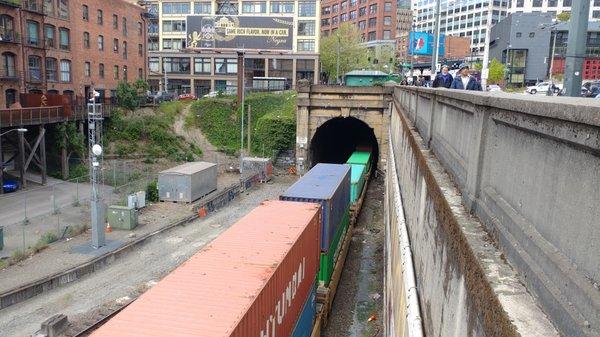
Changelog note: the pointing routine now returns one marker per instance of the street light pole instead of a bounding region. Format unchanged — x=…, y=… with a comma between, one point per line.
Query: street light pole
x=578, y=26
x=552, y=55
x=485, y=70
x=436, y=39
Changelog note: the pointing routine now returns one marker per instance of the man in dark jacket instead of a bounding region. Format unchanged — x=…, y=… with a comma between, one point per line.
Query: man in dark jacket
x=443, y=79
x=464, y=81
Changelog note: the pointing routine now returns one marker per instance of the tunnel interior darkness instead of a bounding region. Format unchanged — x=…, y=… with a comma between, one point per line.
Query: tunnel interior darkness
x=335, y=141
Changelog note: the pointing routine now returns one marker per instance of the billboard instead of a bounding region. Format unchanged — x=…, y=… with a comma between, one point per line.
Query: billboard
x=237, y=32
x=421, y=43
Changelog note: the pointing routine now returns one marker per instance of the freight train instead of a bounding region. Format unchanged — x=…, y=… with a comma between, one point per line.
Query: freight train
x=273, y=273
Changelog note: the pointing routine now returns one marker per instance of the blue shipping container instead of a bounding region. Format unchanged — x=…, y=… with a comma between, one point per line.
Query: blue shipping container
x=305, y=322
x=329, y=185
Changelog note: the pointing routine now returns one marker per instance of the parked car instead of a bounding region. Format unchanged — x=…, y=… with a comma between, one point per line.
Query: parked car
x=10, y=185
x=494, y=87
x=159, y=97
x=186, y=97
x=543, y=87
x=211, y=94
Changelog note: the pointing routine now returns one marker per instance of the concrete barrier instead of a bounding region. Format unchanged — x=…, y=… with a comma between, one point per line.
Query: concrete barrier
x=529, y=168
x=465, y=286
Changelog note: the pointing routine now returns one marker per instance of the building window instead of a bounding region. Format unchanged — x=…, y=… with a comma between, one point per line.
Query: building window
x=326, y=10
x=86, y=40
x=179, y=65
x=362, y=25
x=306, y=28
x=352, y=15
x=567, y=3
x=65, y=71
x=324, y=23
x=307, y=9
x=343, y=17
x=140, y=50
x=125, y=77
x=153, y=45
x=87, y=69
x=140, y=73
x=49, y=7
x=176, y=8
x=519, y=34
x=387, y=20
x=202, y=8
x=335, y=8
x=596, y=3
x=173, y=44
x=225, y=66
x=116, y=72
x=11, y=97
x=63, y=9
x=177, y=26
x=116, y=45
x=201, y=65
x=140, y=28
x=8, y=64
x=86, y=13
x=306, y=45
x=362, y=11
x=154, y=64
x=125, y=50
x=334, y=20
x=372, y=36
x=101, y=70
x=65, y=43
x=344, y=6
x=537, y=3
x=373, y=9
x=100, y=17
x=532, y=34
x=552, y=3
x=372, y=22
x=100, y=42
x=124, y=26
x=254, y=7
x=282, y=7
x=115, y=21
x=33, y=37
x=387, y=7
x=387, y=34
x=49, y=32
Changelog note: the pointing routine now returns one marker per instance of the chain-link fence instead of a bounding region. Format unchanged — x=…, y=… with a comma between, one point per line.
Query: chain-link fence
x=32, y=218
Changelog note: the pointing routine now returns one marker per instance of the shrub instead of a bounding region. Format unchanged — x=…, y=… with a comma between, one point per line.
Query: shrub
x=152, y=191
x=78, y=171
x=127, y=96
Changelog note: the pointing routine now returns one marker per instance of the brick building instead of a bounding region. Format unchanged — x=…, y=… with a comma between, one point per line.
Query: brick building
x=375, y=18
x=68, y=46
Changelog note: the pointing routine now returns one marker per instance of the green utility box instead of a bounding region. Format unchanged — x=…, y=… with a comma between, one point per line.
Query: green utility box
x=1, y=237
x=122, y=217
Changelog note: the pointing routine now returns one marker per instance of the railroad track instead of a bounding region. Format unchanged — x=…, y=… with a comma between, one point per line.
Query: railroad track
x=87, y=331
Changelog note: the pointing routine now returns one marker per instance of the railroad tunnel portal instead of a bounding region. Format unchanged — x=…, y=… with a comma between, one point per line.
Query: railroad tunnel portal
x=334, y=121
x=335, y=140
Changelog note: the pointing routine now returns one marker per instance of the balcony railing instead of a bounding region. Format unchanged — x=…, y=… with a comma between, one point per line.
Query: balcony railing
x=9, y=36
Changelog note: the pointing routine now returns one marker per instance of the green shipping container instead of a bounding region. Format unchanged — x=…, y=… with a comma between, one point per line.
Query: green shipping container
x=361, y=158
x=122, y=217
x=328, y=259
x=357, y=181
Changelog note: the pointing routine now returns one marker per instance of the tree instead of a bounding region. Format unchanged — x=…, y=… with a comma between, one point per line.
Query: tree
x=564, y=16
x=478, y=66
x=127, y=96
x=382, y=58
x=141, y=86
x=496, y=72
x=353, y=54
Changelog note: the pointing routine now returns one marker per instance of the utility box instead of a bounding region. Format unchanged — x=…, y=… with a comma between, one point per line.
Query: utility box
x=140, y=199
x=132, y=201
x=122, y=217
x=187, y=182
x=264, y=166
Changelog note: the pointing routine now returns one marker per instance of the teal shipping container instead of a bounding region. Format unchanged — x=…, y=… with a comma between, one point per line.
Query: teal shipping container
x=357, y=181
x=361, y=158
x=305, y=323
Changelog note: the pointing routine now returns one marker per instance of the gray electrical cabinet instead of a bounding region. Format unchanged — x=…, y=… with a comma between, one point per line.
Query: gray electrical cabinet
x=122, y=217
x=187, y=182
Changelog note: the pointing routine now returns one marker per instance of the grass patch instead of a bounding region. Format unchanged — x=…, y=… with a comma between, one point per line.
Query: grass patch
x=17, y=256
x=273, y=122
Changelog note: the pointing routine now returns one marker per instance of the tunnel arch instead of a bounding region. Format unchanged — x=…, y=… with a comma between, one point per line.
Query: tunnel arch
x=336, y=139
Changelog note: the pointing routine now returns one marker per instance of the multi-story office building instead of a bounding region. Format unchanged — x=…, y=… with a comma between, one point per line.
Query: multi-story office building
x=69, y=46
x=460, y=18
x=376, y=19
x=552, y=7
x=213, y=66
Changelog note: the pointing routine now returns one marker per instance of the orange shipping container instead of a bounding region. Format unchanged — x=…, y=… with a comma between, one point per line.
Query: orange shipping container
x=251, y=281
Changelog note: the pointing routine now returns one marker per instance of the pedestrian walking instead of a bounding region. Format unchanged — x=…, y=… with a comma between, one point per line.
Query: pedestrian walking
x=464, y=80
x=443, y=79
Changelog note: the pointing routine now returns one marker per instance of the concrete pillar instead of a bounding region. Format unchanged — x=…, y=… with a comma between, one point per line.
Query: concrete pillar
x=302, y=129
x=317, y=76
x=478, y=143
x=266, y=67
x=294, y=67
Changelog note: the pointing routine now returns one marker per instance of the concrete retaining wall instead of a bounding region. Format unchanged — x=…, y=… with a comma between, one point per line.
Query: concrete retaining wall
x=529, y=168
